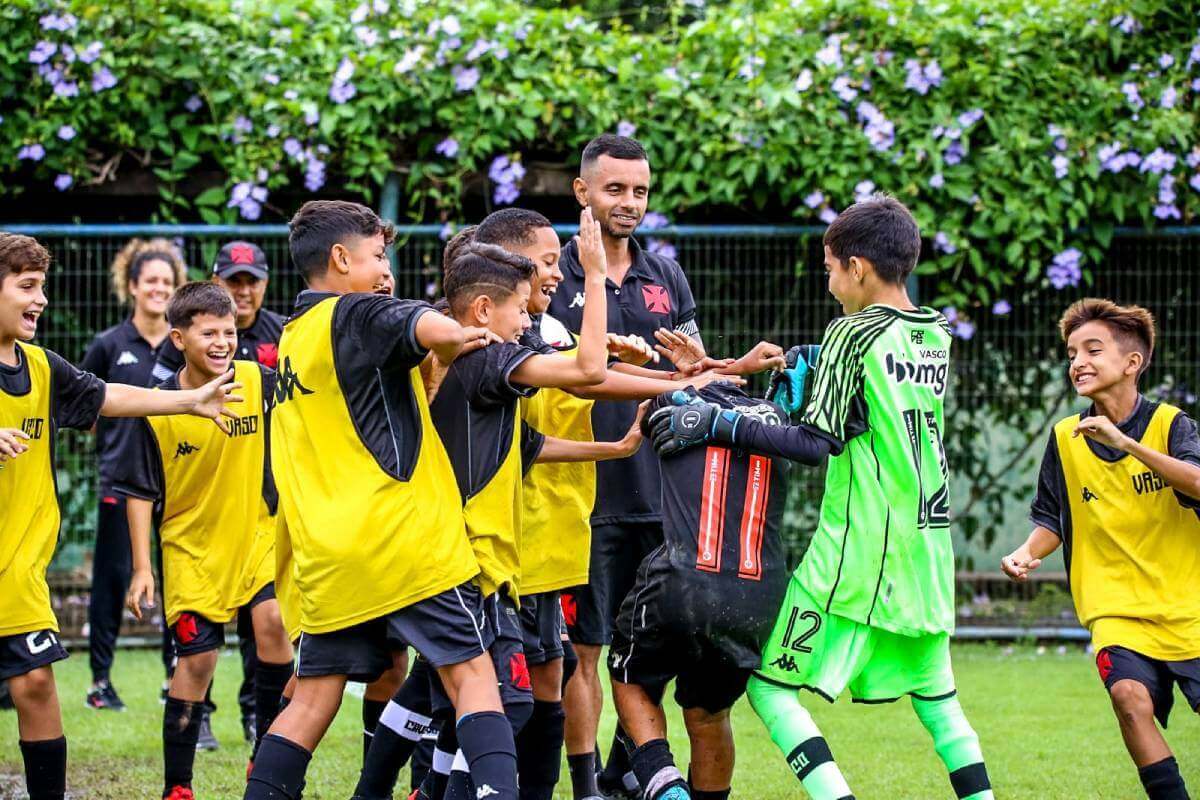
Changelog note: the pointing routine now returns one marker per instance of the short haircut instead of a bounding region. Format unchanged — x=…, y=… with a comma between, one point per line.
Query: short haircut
x=320, y=224
x=881, y=230
x=20, y=253
x=510, y=227
x=454, y=248
x=137, y=253
x=487, y=270
x=1131, y=326
x=196, y=298
x=613, y=146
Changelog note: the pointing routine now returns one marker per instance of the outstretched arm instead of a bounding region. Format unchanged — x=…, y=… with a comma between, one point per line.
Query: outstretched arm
x=621, y=386
x=1182, y=476
x=556, y=450
x=121, y=400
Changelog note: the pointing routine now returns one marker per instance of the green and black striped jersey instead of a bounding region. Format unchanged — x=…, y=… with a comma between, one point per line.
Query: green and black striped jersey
x=881, y=554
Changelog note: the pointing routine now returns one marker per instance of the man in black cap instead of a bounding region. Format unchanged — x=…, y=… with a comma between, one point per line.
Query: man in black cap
x=241, y=268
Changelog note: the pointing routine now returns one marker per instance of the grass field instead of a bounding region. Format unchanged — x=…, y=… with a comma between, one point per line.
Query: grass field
x=1044, y=720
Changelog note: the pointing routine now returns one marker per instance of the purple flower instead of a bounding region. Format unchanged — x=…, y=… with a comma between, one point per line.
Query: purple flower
x=815, y=199
x=292, y=147
x=626, y=128
x=68, y=53
x=1002, y=308
x=1130, y=90
x=1166, y=60
x=380, y=6
x=480, y=48
x=448, y=147
x=66, y=89
x=273, y=131
x=42, y=52
x=842, y=88
x=243, y=124
x=271, y=78
x=31, y=152
x=653, y=220
x=662, y=248
x=921, y=78
x=52, y=22
x=942, y=243
x=506, y=194
x=341, y=92
x=359, y=13
x=66, y=133
x=367, y=35
x=465, y=78
x=1158, y=162
x=499, y=172
x=964, y=330
x=1166, y=189
x=1194, y=55
x=63, y=182
x=954, y=153
x=314, y=173
x=193, y=103
x=521, y=32
x=312, y=116
x=103, y=79
x=1060, y=164
x=950, y=313
x=1168, y=98
x=1126, y=22
x=879, y=129
x=1064, y=269
x=91, y=52
x=937, y=181
x=1166, y=211
x=409, y=60
x=446, y=232
x=827, y=215
x=969, y=118
x=804, y=80
x=1194, y=182
x=863, y=190
x=751, y=68
x=831, y=54
x=449, y=25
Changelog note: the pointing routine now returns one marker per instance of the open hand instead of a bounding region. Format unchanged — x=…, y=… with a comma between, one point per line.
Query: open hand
x=632, y=441
x=590, y=245
x=631, y=349
x=213, y=398
x=683, y=351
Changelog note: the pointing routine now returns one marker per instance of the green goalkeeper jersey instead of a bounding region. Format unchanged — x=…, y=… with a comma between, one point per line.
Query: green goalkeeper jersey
x=881, y=554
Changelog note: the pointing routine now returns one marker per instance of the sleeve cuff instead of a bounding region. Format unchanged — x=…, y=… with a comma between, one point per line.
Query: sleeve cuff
x=135, y=492
x=1043, y=521
x=519, y=389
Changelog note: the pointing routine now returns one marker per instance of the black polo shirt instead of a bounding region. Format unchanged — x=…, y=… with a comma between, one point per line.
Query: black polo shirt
x=654, y=294
x=259, y=342
x=119, y=355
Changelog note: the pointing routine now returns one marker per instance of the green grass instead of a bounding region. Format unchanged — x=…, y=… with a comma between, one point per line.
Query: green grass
x=1044, y=720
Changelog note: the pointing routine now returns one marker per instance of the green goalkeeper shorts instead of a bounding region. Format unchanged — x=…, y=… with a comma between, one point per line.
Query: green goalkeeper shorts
x=812, y=649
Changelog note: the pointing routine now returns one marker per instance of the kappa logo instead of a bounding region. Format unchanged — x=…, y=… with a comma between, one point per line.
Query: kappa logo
x=657, y=299
x=126, y=358
x=185, y=449
x=485, y=791
x=289, y=383
x=786, y=663
x=577, y=301
x=1088, y=495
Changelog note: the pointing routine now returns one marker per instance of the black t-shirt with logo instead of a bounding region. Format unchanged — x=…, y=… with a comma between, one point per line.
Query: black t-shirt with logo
x=654, y=294
x=119, y=355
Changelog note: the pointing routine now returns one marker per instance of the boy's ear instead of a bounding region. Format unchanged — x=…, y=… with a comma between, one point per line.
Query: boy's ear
x=1134, y=364
x=339, y=259
x=177, y=339
x=482, y=307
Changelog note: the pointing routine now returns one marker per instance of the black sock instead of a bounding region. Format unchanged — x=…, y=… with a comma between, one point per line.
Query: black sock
x=617, y=769
x=279, y=769
x=269, y=682
x=583, y=775
x=701, y=794
x=1162, y=780
x=434, y=785
x=181, y=730
x=656, y=771
x=397, y=733
x=539, y=751
x=570, y=664
x=371, y=711
x=458, y=783
x=422, y=758
x=45, y=768
x=486, y=740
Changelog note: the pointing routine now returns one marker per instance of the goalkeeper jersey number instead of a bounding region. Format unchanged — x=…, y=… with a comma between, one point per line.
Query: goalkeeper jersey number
x=881, y=554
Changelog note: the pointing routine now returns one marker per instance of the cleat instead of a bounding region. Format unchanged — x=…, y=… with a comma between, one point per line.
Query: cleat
x=207, y=741
x=103, y=696
x=180, y=793
x=249, y=729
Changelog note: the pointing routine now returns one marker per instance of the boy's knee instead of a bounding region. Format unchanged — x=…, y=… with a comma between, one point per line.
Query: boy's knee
x=1131, y=701
x=33, y=688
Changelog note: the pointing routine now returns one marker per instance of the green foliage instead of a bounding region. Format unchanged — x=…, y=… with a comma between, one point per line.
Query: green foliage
x=720, y=97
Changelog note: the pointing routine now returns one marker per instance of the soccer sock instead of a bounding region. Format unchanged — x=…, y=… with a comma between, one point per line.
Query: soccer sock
x=617, y=767
x=539, y=751
x=957, y=745
x=1161, y=780
x=279, y=769
x=371, y=711
x=181, y=730
x=46, y=768
x=655, y=769
x=396, y=735
x=422, y=758
x=434, y=785
x=583, y=775
x=269, y=682
x=701, y=794
x=792, y=729
x=486, y=740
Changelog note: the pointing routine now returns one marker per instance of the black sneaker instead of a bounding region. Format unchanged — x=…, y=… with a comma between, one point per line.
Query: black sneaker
x=207, y=741
x=249, y=729
x=103, y=696
x=624, y=788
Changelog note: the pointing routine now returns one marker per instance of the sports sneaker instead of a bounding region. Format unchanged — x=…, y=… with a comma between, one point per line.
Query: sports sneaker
x=249, y=731
x=103, y=696
x=625, y=788
x=180, y=793
x=206, y=741
x=162, y=695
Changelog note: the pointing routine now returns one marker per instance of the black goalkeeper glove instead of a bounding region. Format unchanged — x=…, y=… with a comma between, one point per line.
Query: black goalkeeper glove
x=676, y=428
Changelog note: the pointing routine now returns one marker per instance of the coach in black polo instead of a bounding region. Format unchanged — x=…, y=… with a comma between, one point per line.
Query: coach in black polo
x=646, y=291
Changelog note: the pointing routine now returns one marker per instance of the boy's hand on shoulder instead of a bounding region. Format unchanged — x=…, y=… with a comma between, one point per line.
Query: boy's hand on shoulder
x=1101, y=429
x=11, y=444
x=476, y=338
x=591, y=246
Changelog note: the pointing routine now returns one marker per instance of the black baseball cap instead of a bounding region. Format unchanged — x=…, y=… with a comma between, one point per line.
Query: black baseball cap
x=238, y=257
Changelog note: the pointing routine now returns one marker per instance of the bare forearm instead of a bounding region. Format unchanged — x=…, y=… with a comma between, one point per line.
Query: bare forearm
x=121, y=400
x=439, y=334
x=592, y=357
x=561, y=451
x=640, y=372
x=139, y=513
x=1041, y=543
x=620, y=386
x=1182, y=476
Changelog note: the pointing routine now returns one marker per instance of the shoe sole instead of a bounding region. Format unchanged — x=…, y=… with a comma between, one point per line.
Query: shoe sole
x=104, y=708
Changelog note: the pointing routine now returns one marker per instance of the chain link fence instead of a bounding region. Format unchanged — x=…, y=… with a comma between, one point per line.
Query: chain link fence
x=751, y=283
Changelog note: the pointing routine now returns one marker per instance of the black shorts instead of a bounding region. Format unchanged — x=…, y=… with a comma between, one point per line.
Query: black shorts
x=617, y=550
x=702, y=630
x=508, y=657
x=193, y=633
x=22, y=653
x=448, y=628
x=1159, y=677
x=542, y=627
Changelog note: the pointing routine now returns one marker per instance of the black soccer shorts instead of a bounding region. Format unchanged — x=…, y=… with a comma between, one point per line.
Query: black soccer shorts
x=508, y=657
x=22, y=653
x=616, y=552
x=541, y=627
x=193, y=633
x=1159, y=677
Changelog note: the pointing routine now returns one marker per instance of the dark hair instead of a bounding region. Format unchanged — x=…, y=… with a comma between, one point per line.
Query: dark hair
x=510, y=227
x=484, y=269
x=881, y=230
x=320, y=224
x=20, y=253
x=609, y=144
x=198, y=297
x=1131, y=326
x=127, y=266
x=454, y=248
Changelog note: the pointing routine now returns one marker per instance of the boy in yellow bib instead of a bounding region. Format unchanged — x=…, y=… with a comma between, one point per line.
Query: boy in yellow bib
x=40, y=392
x=217, y=528
x=1120, y=491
